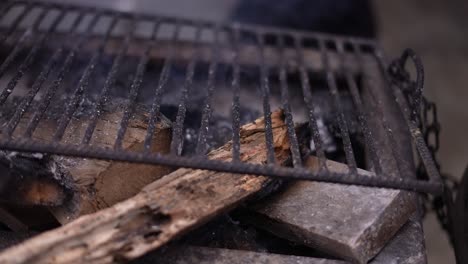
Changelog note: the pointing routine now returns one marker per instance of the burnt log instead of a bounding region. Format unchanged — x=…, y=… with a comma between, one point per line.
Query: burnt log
x=164, y=210
x=72, y=187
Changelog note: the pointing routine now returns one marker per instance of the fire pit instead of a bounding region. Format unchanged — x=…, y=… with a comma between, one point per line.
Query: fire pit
x=88, y=91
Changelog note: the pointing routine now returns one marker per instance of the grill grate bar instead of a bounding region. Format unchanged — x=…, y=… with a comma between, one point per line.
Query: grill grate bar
x=344, y=131
x=388, y=131
x=134, y=89
x=82, y=85
x=16, y=22
x=163, y=79
x=265, y=89
x=295, y=153
x=415, y=132
x=109, y=83
x=38, y=82
x=51, y=90
x=207, y=110
x=220, y=166
x=28, y=61
x=360, y=109
x=21, y=43
x=177, y=132
x=235, y=85
x=400, y=163
x=306, y=91
x=6, y=8
x=269, y=70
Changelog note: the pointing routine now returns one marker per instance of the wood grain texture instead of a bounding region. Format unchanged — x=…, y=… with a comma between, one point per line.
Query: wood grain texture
x=164, y=210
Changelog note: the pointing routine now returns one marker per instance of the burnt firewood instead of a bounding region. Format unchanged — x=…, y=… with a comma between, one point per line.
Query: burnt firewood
x=72, y=187
x=32, y=179
x=164, y=210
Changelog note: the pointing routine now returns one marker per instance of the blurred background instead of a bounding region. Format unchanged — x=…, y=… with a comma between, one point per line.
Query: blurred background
x=435, y=29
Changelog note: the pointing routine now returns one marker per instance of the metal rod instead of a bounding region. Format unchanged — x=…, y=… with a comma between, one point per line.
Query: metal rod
x=108, y=84
x=416, y=134
x=178, y=129
x=296, y=155
x=332, y=86
x=235, y=85
x=38, y=82
x=5, y=8
x=21, y=42
x=202, y=163
x=83, y=84
x=400, y=163
x=265, y=90
x=29, y=60
x=15, y=23
x=13, y=54
x=362, y=117
x=134, y=89
x=207, y=110
x=51, y=90
x=306, y=91
x=163, y=79
x=206, y=23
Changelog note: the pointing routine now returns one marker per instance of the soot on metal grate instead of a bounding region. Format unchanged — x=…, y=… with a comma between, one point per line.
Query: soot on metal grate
x=62, y=62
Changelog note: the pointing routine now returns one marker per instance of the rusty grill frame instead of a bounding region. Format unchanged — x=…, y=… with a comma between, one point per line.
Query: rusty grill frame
x=363, y=51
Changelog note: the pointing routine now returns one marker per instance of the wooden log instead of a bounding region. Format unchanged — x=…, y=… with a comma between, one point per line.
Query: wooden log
x=349, y=222
x=164, y=210
x=74, y=186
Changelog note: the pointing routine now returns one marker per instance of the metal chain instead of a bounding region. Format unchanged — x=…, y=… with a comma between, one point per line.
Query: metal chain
x=424, y=113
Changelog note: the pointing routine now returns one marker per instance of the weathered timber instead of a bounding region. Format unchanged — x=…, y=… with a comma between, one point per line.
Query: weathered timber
x=349, y=222
x=164, y=210
x=74, y=186
x=205, y=255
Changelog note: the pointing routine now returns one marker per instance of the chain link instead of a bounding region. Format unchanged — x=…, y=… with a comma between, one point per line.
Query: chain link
x=424, y=113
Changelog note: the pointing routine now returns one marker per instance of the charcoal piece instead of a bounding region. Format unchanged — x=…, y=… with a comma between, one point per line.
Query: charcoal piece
x=349, y=222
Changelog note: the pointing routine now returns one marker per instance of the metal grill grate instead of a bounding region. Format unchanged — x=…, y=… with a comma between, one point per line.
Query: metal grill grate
x=57, y=54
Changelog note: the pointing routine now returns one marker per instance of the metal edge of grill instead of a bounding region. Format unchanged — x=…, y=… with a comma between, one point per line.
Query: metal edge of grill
x=366, y=51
